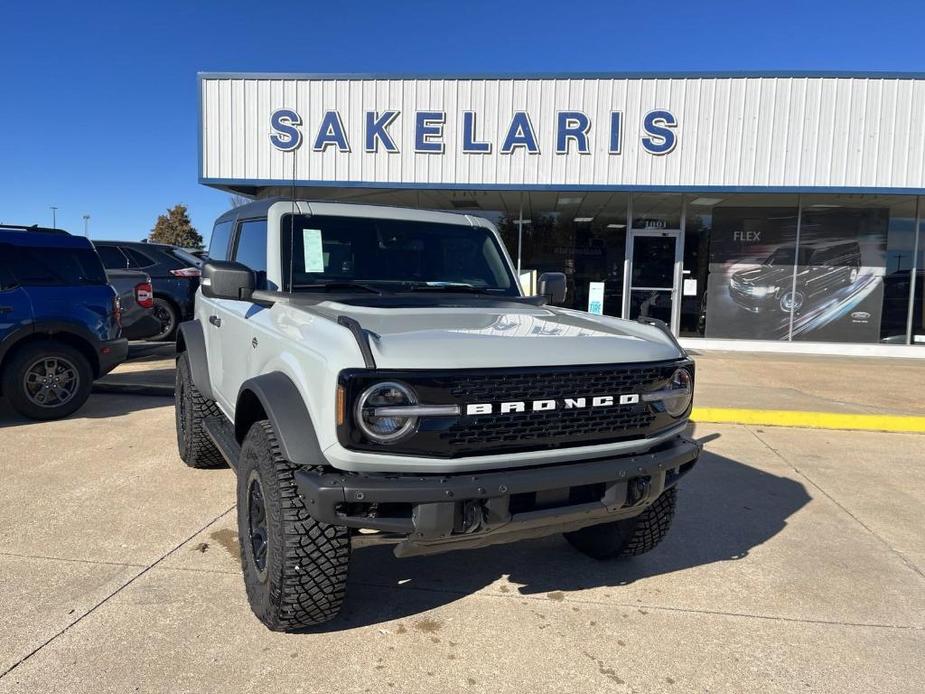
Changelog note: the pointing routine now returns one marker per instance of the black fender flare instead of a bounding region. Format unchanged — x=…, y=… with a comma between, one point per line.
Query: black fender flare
x=281, y=401
x=191, y=339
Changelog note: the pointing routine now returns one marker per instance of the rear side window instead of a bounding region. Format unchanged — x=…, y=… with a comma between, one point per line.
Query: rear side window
x=112, y=257
x=138, y=259
x=58, y=267
x=218, y=246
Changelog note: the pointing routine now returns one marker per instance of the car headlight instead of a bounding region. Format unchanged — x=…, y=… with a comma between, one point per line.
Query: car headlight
x=679, y=394
x=762, y=291
x=373, y=415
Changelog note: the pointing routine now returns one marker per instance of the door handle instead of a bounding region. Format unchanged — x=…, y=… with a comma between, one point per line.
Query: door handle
x=216, y=321
x=6, y=309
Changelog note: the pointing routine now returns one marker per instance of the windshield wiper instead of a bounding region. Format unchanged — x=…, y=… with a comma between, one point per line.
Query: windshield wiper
x=449, y=287
x=342, y=286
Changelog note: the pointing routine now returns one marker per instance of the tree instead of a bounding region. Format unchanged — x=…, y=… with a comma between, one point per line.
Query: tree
x=175, y=228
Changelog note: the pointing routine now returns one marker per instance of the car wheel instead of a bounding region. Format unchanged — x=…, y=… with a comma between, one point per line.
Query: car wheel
x=191, y=409
x=47, y=380
x=630, y=537
x=295, y=568
x=167, y=316
x=791, y=301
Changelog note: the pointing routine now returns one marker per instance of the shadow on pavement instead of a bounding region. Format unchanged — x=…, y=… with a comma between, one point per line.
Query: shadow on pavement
x=725, y=509
x=99, y=406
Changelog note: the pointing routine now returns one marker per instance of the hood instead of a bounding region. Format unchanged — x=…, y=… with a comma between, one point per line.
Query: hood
x=764, y=275
x=500, y=334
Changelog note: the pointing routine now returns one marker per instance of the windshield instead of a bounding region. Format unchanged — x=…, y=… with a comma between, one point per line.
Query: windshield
x=785, y=256
x=391, y=255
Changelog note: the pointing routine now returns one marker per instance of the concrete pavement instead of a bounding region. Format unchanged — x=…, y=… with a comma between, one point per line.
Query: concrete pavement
x=795, y=563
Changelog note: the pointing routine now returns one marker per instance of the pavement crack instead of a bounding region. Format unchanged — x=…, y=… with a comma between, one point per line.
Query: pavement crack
x=118, y=590
x=902, y=557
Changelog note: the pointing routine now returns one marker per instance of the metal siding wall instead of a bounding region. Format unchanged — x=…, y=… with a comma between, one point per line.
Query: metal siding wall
x=751, y=132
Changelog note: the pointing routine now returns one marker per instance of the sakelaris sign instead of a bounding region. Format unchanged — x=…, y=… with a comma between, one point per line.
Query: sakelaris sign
x=573, y=132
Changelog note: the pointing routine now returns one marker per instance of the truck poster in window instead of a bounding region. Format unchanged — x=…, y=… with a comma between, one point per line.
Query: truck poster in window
x=831, y=283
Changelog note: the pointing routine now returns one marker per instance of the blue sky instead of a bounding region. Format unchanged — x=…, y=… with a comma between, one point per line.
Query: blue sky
x=99, y=99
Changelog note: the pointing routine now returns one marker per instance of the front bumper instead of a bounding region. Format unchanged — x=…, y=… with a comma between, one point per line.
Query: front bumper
x=438, y=513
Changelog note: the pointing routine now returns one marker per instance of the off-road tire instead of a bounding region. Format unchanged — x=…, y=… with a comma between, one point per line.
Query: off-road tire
x=20, y=362
x=191, y=408
x=304, y=579
x=630, y=537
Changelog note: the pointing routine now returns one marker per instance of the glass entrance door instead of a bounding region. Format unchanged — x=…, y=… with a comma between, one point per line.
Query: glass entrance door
x=654, y=259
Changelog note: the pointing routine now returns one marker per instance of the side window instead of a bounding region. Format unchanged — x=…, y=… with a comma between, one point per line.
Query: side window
x=58, y=267
x=251, y=248
x=218, y=246
x=137, y=258
x=7, y=281
x=112, y=258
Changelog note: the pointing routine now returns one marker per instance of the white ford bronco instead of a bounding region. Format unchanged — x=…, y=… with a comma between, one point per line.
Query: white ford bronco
x=377, y=373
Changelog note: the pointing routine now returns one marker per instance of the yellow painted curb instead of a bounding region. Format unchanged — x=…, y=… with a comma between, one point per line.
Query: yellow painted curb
x=811, y=420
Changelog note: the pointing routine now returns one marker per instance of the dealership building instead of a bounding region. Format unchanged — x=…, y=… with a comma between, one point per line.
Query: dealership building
x=748, y=210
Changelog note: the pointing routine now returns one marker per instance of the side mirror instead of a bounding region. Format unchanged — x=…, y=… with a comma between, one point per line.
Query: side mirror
x=552, y=286
x=222, y=279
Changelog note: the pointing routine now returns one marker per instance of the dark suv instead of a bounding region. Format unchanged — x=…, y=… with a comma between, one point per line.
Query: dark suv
x=59, y=321
x=174, y=273
x=821, y=268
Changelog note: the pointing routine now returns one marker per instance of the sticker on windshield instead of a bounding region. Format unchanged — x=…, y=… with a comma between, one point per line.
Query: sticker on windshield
x=312, y=253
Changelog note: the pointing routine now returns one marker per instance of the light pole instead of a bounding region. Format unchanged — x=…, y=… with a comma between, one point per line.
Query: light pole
x=87, y=225
x=54, y=217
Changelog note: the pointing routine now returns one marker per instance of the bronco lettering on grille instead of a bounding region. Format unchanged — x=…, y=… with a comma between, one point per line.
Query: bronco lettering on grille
x=546, y=405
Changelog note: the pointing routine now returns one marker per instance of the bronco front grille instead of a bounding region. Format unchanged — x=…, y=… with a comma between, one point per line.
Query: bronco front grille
x=482, y=434
x=525, y=430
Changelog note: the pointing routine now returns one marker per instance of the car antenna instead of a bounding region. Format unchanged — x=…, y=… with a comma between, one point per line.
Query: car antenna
x=292, y=224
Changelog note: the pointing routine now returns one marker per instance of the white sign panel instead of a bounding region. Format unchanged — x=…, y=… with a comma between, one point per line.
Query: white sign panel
x=596, y=298
x=513, y=133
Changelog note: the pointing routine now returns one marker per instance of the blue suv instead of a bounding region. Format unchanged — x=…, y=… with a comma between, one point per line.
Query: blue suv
x=59, y=321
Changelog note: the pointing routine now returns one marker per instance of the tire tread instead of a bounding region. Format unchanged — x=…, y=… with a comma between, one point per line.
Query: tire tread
x=311, y=585
x=198, y=450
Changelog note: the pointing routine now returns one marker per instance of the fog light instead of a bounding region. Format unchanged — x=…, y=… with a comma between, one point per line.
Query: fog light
x=389, y=428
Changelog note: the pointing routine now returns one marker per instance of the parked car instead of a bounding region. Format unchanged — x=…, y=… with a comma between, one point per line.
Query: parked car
x=379, y=369
x=174, y=273
x=136, y=297
x=59, y=321
x=821, y=268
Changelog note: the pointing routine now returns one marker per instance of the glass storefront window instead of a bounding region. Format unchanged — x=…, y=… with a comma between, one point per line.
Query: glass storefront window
x=856, y=259
x=745, y=274
x=657, y=211
x=733, y=265
x=580, y=234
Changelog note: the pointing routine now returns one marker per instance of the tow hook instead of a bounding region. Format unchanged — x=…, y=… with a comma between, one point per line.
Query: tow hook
x=637, y=490
x=472, y=517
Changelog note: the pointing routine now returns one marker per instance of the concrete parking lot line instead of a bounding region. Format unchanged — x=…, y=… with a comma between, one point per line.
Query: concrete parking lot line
x=105, y=599
x=812, y=420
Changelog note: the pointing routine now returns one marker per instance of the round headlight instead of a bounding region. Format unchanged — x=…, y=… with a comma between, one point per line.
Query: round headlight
x=385, y=428
x=677, y=405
